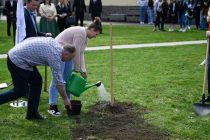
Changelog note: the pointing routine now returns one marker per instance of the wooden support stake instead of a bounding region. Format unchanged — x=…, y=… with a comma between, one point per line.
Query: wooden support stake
x=45, y=80
x=111, y=67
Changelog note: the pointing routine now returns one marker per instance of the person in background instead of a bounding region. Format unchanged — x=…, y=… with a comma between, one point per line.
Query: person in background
x=190, y=13
x=78, y=37
x=197, y=10
x=22, y=61
x=79, y=9
x=143, y=8
x=182, y=8
x=164, y=14
x=204, y=14
x=173, y=10
x=48, y=14
x=95, y=9
x=10, y=9
x=150, y=10
x=69, y=6
x=158, y=13
x=62, y=13
x=30, y=19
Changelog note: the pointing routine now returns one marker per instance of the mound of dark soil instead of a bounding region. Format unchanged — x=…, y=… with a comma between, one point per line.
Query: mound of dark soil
x=123, y=121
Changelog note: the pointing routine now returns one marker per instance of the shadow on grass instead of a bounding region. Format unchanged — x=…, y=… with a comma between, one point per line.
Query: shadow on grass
x=124, y=121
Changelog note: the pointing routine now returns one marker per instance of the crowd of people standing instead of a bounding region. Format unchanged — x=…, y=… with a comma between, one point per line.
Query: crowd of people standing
x=55, y=17
x=182, y=12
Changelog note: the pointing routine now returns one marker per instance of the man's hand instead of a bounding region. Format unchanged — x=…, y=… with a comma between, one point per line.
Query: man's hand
x=67, y=103
x=48, y=35
x=62, y=91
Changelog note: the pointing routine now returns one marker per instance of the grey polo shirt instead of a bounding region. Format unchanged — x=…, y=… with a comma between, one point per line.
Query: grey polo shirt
x=37, y=51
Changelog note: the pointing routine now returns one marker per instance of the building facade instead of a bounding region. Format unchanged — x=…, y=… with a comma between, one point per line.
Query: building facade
x=113, y=10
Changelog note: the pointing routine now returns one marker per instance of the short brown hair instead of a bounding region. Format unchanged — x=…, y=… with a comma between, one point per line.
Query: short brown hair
x=69, y=48
x=96, y=24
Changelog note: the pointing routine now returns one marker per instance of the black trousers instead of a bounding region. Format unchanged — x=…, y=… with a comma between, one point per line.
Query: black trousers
x=11, y=22
x=197, y=18
x=93, y=15
x=163, y=19
x=79, y=16
x=158, y=20
x=62, y=24
x=21, y=80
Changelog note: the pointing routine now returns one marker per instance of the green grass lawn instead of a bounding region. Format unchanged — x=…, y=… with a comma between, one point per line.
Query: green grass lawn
x=122, y=34
x=166, y=81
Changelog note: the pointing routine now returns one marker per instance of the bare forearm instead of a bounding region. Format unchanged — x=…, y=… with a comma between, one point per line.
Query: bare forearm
x=62, y=91
x=66, y=101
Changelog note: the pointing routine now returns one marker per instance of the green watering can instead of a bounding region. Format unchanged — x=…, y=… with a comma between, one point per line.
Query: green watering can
x=76, y=85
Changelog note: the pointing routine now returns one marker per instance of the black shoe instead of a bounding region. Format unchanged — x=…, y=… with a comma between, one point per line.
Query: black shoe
x=35, y=116
x=53, y=110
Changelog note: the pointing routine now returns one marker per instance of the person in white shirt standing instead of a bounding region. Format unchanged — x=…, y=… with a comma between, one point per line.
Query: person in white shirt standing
x=143, y=8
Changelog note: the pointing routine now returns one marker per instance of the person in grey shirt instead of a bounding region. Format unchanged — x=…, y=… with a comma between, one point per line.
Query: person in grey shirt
x=22, y=61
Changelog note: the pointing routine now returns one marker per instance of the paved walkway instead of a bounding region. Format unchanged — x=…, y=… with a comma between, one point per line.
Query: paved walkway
x=132, y=46
x=3, y=56
x=3, y=18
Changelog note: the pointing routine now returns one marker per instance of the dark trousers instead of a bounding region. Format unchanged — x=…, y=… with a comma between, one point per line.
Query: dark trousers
x=61, y=25
x=158, y=19
x=11, y=22
x=197, y=18
x=163, y=19
x=93, y=15
x=21, y=80
x=79, y=16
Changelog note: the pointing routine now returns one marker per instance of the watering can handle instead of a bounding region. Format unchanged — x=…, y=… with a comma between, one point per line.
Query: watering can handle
x=79, y=74
x=85, y=77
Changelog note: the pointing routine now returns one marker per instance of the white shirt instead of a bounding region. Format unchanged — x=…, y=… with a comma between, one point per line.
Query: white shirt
x=142, y=2
x=11, y=2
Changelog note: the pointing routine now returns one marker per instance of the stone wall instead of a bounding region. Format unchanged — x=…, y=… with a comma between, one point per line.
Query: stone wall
x=119, y=13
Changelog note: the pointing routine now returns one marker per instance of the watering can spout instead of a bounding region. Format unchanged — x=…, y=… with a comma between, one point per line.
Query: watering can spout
x=92, y=85
x=98, y=84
